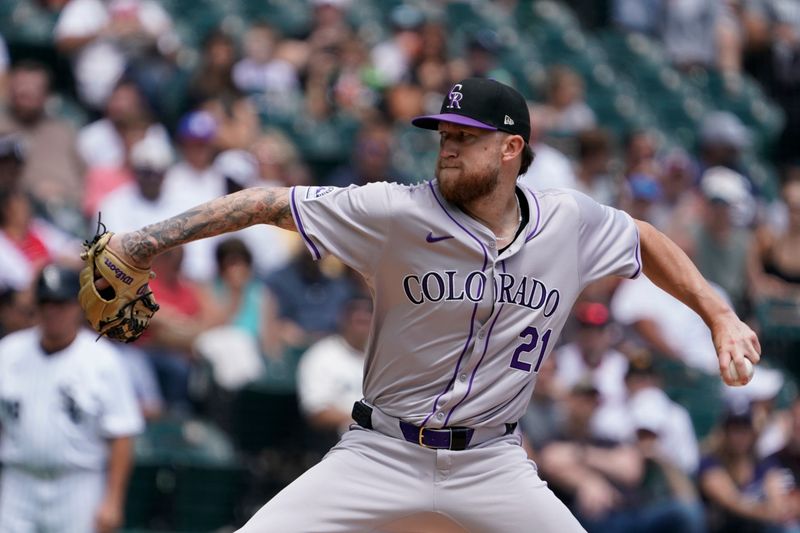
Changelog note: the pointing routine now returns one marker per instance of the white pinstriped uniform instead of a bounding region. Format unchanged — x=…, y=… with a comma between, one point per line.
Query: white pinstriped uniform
x=56, y=412
x=458, y=334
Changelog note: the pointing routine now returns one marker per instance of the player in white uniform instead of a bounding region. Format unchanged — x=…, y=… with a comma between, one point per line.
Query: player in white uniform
x=67, y=414
x=472, y=278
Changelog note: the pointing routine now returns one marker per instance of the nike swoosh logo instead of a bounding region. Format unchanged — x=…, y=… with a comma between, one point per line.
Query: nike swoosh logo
x=431, y=238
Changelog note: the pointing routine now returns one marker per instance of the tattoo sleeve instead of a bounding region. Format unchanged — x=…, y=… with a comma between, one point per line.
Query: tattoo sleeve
x=260, y=205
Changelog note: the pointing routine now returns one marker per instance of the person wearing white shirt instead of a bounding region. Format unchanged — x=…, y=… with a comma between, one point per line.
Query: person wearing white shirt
x=104, y=35
x=550, y=169
x=329, y=376
x=138, y=204
x=68, y=414
x=652, y=410
x=591, y=357
x=101, y=143
x=665, y=324
x=194, y=180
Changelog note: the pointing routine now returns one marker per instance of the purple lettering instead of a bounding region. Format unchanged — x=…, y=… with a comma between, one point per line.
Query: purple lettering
x=407, y=288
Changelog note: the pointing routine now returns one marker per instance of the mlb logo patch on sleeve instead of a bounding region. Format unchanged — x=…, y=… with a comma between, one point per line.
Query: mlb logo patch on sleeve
x=316, y=192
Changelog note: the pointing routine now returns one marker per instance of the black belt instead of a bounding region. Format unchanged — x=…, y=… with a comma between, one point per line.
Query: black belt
x=452, y=438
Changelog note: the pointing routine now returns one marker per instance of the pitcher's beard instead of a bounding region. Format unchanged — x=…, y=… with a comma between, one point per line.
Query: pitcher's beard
x=470, y=186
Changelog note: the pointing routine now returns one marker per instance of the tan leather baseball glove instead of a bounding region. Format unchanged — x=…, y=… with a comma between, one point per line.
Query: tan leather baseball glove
x=121, y=311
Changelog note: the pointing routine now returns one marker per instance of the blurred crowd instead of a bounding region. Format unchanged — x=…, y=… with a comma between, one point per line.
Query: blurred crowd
x=159, y=125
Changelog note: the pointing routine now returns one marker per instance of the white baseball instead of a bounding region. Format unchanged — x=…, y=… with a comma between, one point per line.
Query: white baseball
x=734, y=374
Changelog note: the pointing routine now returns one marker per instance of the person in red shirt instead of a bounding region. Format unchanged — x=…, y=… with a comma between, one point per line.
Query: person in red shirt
x=187, y=309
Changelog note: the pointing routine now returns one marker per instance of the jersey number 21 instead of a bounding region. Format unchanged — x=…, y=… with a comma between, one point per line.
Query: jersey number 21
x=529, y=346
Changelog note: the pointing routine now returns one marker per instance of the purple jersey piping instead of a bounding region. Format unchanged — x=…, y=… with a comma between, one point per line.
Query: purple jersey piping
x=299, y=222
x=485, y=348
x=532, y=234
x=636, y=253
x=474, y=308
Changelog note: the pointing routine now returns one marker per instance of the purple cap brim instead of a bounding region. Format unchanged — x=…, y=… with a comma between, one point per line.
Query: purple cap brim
x=431, y=122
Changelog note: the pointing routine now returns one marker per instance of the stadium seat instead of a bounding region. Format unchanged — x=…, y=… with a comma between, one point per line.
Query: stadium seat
x=186, y=477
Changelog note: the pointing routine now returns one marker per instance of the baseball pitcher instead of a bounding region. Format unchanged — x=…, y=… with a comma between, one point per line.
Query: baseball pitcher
x=473, y=277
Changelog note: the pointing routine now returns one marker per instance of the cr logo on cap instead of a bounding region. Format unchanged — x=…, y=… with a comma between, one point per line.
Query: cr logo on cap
x=455, y=97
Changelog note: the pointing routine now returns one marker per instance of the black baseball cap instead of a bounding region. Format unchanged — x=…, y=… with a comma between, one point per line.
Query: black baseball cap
x=57, y=284
x=482, y=103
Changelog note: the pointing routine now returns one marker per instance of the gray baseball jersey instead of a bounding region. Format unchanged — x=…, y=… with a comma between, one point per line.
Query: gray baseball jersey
x=459, y=331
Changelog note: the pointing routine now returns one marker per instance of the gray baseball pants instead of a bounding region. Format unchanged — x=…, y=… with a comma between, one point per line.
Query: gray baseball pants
x=369, y=481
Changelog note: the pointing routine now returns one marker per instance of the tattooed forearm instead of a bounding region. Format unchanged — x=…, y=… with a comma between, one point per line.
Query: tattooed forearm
x=261, y=205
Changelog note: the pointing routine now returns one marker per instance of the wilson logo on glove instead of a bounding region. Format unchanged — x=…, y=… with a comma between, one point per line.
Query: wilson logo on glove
x=117, y=272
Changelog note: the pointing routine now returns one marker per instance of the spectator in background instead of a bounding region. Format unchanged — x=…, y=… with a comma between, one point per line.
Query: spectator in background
x=271, y=247
x=671, y=426
x=141, y=202
x=782, y=478
x=27, y=243
x=593, y=166
x=550, y=168
x=328, y=22
x=105, y=142
x=278, y=160
x=542, y=420
x=681, y=205
x=103, y=37
x=666, y=326
x=483, y=48
x=731, y=483
x=564, y=111
x=370, y=159
x=720, y=245
x=669, y=494
x=352, y=88
x=102, y=180
x=213, y=77
x=774, y=258
x=694, y=33
x=772, y=33
x=591, y=356
x=262, y=69
x=701, y=33
x=411, y=153
x=640, y=149
x=640, y=16
x=309, y=296
x=771, y=424
x=434, y=72
x=604, y=481
x=394, y=58
x=186, y=311
x=194, y=180
x=722, y=140
x=16, y=310
x=642, y=195
x=214, y=91
x=330, y=372
x=236, y=346
x=241, y=297
x=589, y=474
x=53, y=170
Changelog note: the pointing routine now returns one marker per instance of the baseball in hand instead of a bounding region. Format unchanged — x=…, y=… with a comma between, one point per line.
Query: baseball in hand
x=734, y=374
